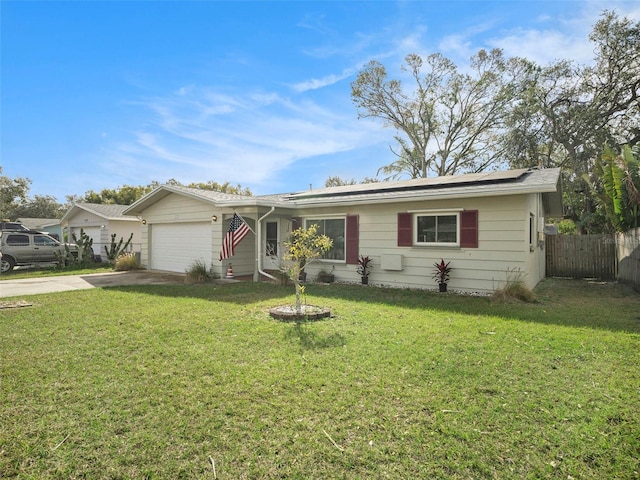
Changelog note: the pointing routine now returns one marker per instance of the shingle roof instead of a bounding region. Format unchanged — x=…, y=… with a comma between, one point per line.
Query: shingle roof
x=210, y=194
x=415, y=184
x=38, y=223
x=477, y=184
x=483, y=184
x=104, y=210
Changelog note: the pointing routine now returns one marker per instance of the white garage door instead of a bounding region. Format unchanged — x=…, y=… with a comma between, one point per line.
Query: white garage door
x=94, y=233
x=175, y=246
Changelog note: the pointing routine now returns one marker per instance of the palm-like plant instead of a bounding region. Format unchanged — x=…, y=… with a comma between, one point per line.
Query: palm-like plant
x=442, y=271
x=620, y=175
x=364, y=266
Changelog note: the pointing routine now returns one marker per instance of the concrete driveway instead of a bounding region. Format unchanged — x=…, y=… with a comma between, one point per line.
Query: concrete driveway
x=62, y=283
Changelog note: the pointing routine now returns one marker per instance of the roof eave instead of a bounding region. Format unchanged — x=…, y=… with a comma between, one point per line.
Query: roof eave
x=159, y=193
x=425, y=195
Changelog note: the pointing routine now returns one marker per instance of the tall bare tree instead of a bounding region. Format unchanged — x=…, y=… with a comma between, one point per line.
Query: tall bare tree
x=447, y=120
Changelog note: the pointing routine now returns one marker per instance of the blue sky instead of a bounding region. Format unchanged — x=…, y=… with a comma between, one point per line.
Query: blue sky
x=101, y=94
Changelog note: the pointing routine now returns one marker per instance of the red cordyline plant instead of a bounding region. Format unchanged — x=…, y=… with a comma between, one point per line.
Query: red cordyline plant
x=442, y=271
x=364, y=266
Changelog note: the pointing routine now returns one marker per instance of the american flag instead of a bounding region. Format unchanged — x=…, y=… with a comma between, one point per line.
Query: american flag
x=237, y=231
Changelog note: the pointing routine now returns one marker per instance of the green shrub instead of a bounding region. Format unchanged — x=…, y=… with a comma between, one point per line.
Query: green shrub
x=126, y=262
x=198, y=272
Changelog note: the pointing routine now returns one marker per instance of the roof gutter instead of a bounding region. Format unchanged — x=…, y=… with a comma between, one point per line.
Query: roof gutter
x=259, y=235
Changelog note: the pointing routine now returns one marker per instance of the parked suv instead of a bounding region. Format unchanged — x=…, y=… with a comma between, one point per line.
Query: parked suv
x=29, y=247
x=13, y=226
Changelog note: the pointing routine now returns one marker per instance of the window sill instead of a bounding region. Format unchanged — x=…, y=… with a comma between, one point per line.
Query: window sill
x=437, y=245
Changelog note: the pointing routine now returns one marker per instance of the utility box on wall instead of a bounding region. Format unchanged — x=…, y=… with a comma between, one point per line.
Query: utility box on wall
x=391, y=262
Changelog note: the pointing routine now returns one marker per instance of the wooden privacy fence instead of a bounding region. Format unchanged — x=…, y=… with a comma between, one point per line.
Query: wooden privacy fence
x=581, y=256
x=628, y=246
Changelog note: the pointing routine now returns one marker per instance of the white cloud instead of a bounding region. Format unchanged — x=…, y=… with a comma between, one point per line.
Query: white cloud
x=316, y=83
x=565, y=36
x=458, y=45
x=253, y=136
x=245, y=138
x=545, y=46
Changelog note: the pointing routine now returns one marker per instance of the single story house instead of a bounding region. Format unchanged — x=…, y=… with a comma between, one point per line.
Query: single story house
x=50, y=226
x=100, y=222
x=490, y=226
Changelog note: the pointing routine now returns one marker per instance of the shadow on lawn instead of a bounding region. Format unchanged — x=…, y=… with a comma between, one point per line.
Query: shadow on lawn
x=240, y=293
x=571, y=303
x=566, y=302
x=310, y=340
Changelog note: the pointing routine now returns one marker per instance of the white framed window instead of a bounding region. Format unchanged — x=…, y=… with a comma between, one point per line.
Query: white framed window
x=335, y=229
x=437, y=229
x=271, y=239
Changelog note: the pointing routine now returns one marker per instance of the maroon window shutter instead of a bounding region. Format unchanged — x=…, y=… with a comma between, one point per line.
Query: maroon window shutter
x=469, y=229
x=296, y=223
x=353, y=239
x=405, y=230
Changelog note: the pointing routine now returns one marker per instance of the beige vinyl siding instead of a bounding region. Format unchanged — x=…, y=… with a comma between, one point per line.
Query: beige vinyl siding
x=178, y=208
x=181, y=210
x=535, y=260
x=91, y=225
x=100, y=230
x=243, y=261
x=503, y=245
x=123, y=229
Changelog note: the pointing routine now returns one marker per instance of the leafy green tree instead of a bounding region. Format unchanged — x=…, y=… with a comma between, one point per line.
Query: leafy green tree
x=338, y=182
x=13, y=192
x=225, y=187
x=40, y=206
x=125, y=195
x=565, y=113
x=128, y=194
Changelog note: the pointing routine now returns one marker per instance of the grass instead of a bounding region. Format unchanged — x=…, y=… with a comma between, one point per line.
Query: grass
x=52, y=270
x=158, y=381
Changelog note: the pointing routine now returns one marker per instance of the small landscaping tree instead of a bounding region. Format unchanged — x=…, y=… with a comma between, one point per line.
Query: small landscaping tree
x=304, y=246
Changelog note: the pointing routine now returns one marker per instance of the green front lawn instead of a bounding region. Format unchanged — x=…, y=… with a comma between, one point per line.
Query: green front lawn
x=52, y=270
x=165, y=382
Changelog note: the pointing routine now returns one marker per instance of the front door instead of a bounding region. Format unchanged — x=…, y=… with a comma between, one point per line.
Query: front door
x=271, y=248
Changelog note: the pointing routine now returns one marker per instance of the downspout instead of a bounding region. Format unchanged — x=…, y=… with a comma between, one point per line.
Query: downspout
x=259, y=259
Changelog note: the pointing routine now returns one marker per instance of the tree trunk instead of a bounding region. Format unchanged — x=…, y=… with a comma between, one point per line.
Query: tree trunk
x=298, y=297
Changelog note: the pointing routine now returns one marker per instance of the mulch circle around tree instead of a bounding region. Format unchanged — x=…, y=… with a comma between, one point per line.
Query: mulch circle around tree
x=287, y=313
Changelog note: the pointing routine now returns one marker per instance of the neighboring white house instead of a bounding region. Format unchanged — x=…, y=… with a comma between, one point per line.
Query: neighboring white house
x=487, y=225
x=100, y=222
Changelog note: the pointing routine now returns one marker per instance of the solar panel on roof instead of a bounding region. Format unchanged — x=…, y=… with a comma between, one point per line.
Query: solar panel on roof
x=443, y=181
